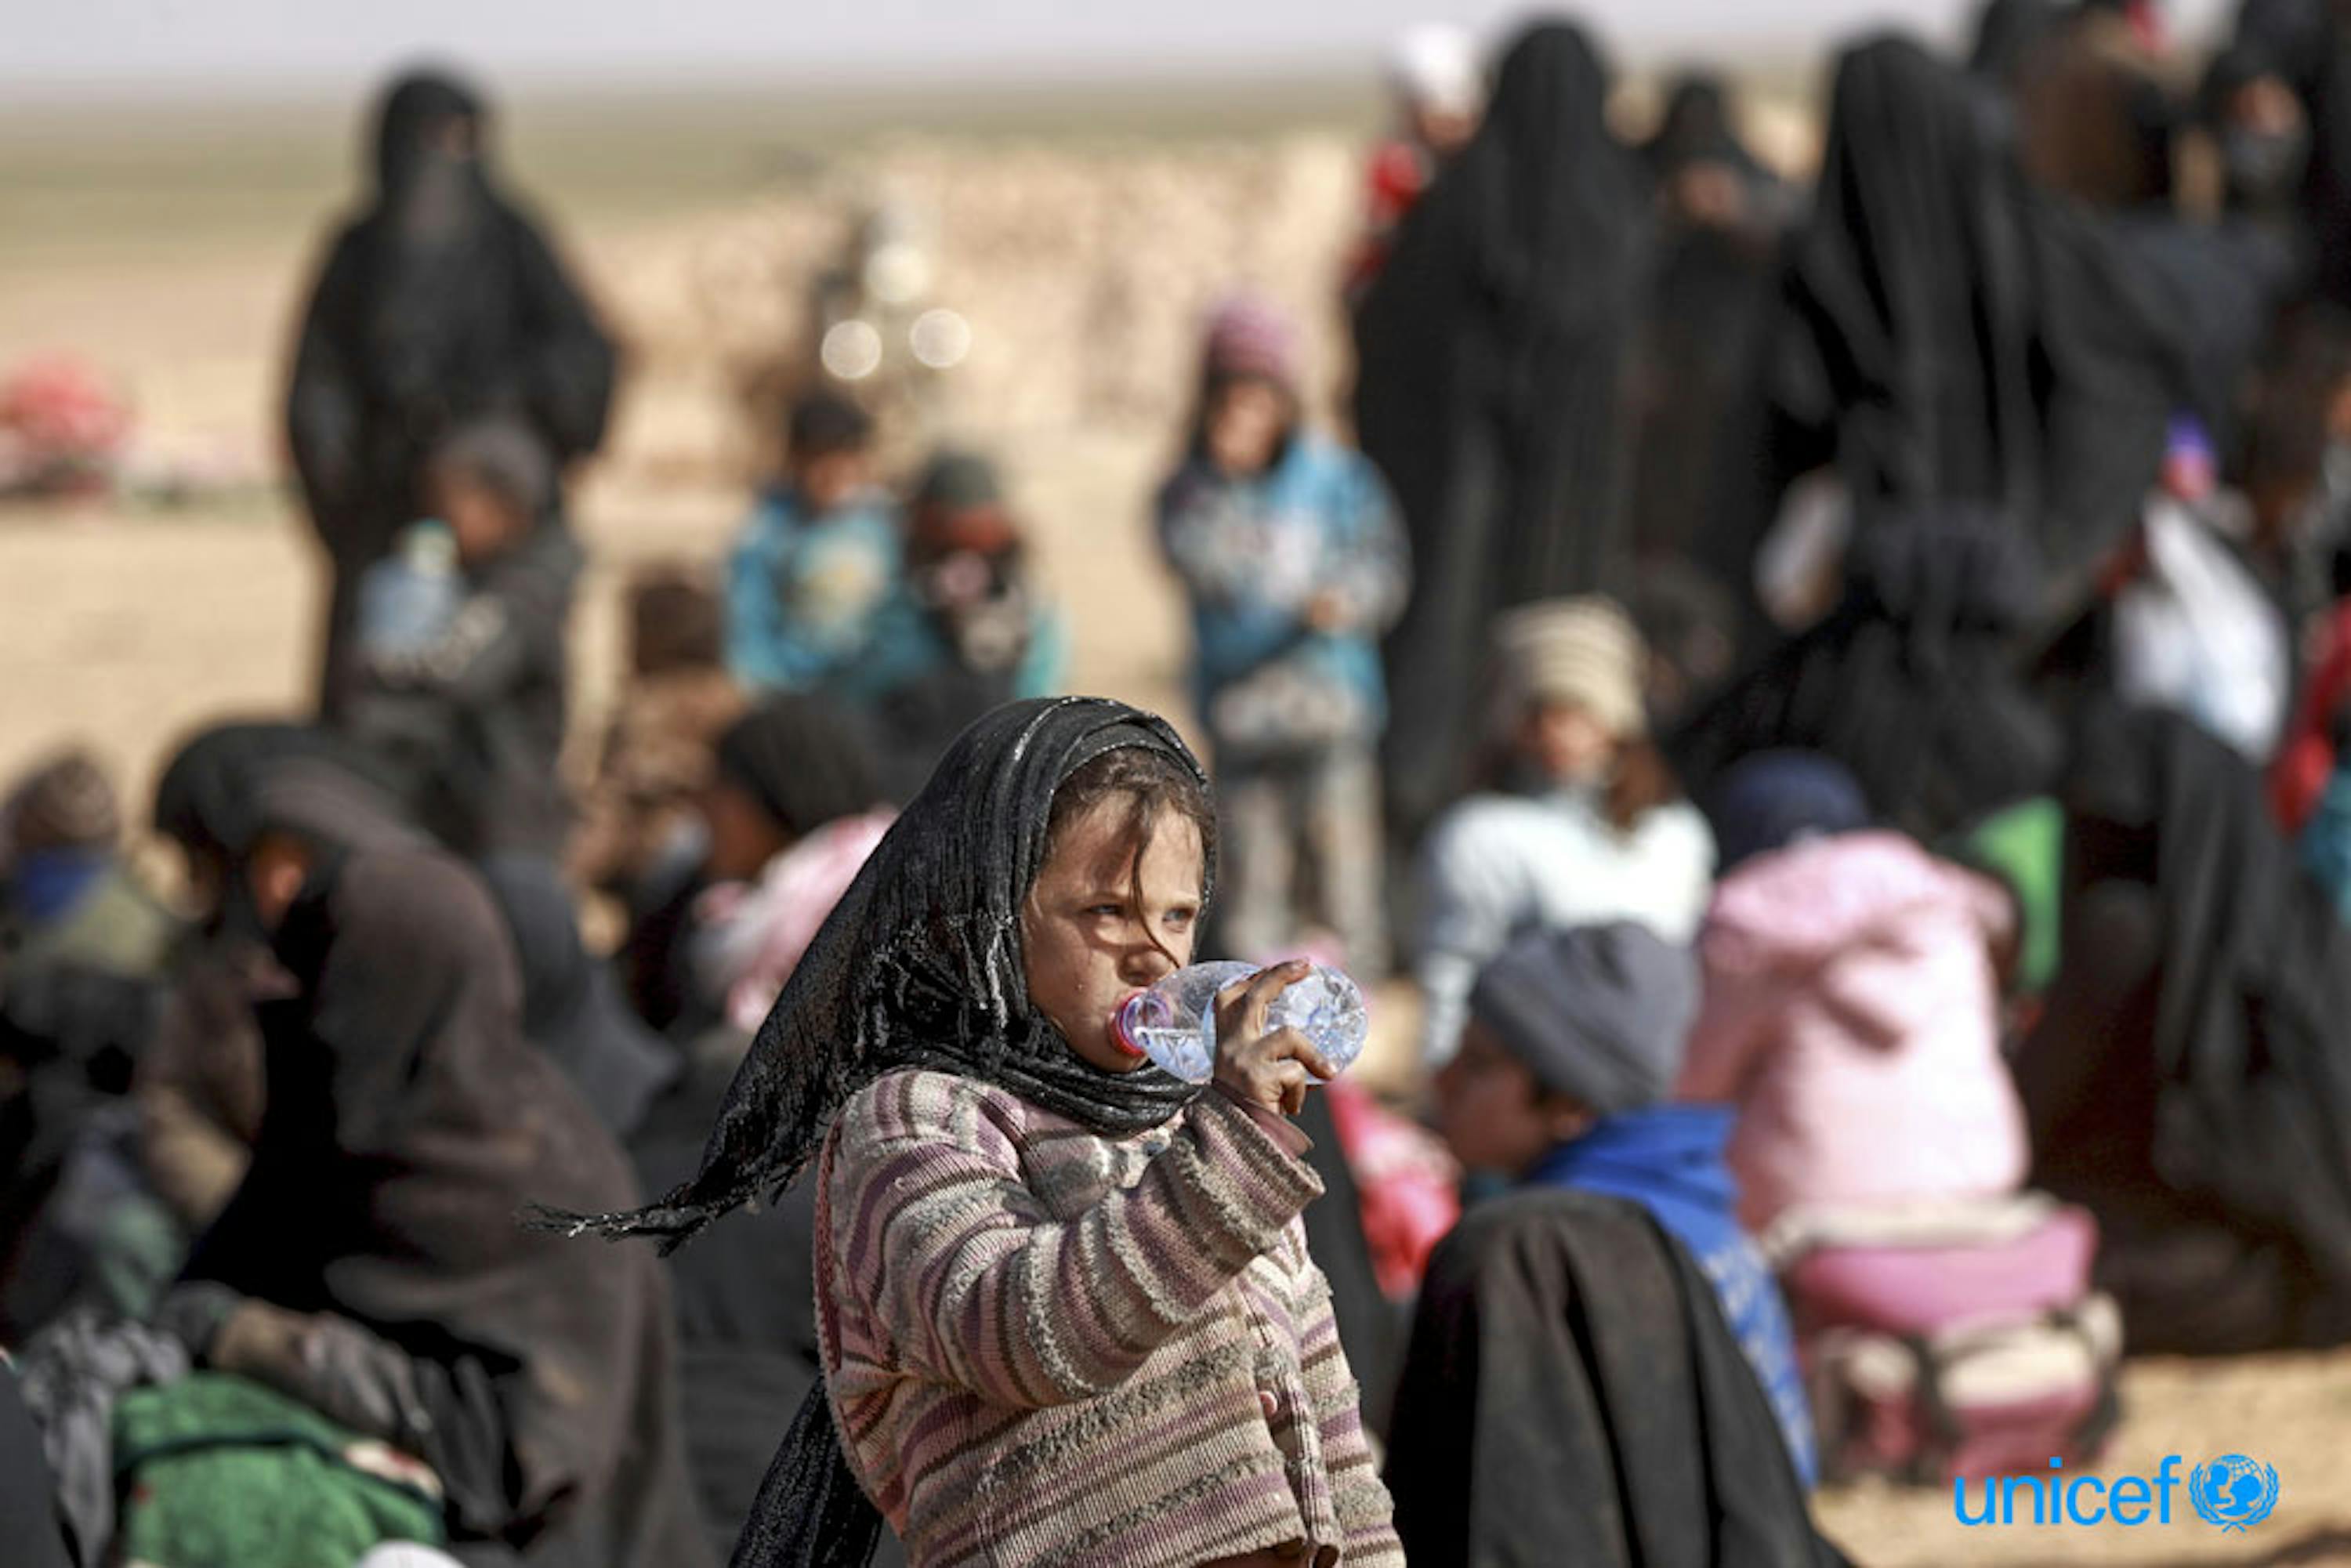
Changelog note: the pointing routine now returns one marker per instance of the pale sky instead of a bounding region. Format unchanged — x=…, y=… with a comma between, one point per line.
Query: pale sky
x=67, y=47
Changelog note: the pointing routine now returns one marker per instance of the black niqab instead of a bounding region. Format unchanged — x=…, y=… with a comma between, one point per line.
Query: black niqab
x=1695, y=127
x=1489, y=390
x=1574, y=1396
x=1955, y=335
x=1911, y=286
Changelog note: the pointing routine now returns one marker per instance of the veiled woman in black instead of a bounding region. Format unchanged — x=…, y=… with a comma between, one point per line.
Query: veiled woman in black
x=369, y=1263
x=440, y=305
x=1723, y=219
x=1489, y=390
x=1955, y=334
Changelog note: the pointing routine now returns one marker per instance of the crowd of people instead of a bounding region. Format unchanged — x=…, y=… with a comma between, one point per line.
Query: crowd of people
x=1834, y=695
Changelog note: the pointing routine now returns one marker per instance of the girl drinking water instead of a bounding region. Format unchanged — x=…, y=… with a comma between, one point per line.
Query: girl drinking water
x=1064, y=1300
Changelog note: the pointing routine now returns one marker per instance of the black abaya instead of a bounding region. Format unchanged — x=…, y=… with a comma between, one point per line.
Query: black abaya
x=1574, y=1396
x=1954, y=335
x=1489, y=390
x=440, y=305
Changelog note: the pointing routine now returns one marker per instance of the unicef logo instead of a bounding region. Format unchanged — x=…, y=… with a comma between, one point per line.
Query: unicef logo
x=2233, y=1491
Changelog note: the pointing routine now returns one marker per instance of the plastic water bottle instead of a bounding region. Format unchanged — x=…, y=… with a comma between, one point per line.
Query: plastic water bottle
x=407, y=598
x=1175, y=1023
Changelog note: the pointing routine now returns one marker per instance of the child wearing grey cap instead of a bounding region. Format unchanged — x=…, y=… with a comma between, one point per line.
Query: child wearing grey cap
x=1573, y=1041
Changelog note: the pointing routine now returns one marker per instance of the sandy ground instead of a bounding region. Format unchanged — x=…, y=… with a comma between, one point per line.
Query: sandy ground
x=172, y=258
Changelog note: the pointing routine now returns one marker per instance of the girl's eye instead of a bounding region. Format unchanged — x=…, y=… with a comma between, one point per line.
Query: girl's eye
x=1179, y=918
x=1108, y=911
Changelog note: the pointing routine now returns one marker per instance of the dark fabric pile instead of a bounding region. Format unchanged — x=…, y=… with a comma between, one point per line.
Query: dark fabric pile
x=2190, y=1082
x=439, y=305
x=73, y=1373
x=70, y=1041
x=1572, y=1396
x=1913, y=683
x=1489, y=389
x=408, y=1125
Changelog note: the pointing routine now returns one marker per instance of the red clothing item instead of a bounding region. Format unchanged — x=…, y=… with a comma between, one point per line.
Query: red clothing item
x=1400, y=171
x=1409, y=1187
x=2307, y=760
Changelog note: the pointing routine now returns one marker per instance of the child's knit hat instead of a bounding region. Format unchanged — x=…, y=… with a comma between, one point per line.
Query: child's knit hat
x=1600, y=1013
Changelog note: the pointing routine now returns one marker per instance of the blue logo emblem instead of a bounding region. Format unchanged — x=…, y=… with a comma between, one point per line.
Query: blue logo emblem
x=2233, y=1491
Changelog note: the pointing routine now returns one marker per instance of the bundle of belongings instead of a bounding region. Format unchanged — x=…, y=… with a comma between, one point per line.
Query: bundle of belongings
x=1952, y=1338
x=156, y=1463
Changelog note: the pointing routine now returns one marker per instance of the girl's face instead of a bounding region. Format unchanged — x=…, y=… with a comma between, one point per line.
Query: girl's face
x=1247, y=419
x=1090, y=941
x=1565, y=742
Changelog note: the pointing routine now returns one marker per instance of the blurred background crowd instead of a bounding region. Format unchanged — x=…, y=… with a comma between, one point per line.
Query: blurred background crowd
x=1799, y=645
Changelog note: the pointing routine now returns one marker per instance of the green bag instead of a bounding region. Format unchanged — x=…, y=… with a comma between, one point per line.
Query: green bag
x=215, y=1471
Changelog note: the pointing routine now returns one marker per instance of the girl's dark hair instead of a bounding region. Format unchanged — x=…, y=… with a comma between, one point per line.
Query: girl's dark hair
x=1154, y=783
x=1643, y=781
x=822, y=423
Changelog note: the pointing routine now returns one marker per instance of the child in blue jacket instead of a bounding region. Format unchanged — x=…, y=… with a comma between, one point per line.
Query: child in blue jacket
x=819, y=560
x=1291, y=553
x=1576, y=1037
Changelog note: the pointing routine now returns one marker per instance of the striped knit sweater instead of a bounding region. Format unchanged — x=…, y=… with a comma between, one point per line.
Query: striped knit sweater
x=1045, y=1346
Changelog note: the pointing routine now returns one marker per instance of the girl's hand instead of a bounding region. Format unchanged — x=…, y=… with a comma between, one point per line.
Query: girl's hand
x=1258, y=1066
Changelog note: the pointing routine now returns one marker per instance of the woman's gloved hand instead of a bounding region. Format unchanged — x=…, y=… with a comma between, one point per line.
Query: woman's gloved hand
x=334, y=1366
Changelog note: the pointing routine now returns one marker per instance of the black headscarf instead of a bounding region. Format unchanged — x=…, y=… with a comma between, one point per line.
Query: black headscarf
x=1695, y=128
x=1910, y=288
x=1574, y=1396
x=2252, y=1012
x=229, y=781
x=1913, y=683
x=1489, y=390
x=805, y=760
x=408, y=1122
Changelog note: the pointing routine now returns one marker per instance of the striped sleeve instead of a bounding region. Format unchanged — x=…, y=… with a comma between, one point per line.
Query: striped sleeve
x=1359, y=1499
x=983, y=1288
